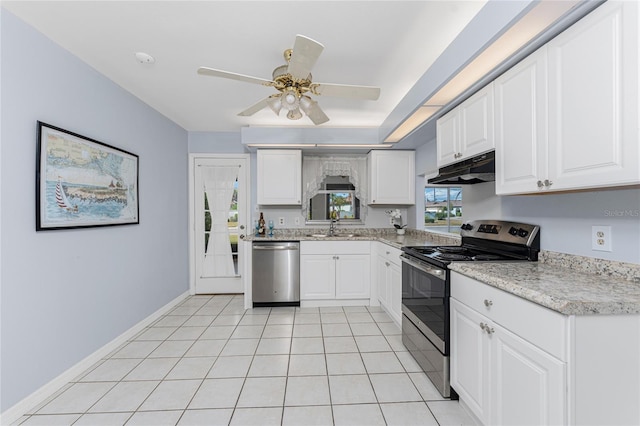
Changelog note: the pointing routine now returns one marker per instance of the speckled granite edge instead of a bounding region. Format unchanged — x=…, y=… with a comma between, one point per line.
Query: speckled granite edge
x=385, y=235
x=609, y=268
x=563, y=290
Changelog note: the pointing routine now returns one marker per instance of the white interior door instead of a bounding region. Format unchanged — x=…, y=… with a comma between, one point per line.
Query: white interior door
x=219, y=200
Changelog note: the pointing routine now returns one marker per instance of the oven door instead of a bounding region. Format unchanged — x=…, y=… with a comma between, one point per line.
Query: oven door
x=425, y=300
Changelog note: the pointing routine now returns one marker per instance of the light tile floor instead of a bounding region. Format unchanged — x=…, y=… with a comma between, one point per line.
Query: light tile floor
x=211, y=362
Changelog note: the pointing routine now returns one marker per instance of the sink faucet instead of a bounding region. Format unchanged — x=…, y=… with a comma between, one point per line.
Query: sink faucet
x=332, y=226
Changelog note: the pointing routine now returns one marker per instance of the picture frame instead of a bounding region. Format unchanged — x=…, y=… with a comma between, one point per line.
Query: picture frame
x=81, y=182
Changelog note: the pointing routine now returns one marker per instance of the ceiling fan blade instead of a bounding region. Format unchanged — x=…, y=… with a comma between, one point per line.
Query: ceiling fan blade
x=346, y=91
x=305, y=54
x=254, y=108
x=234, y=76
x=317, y=115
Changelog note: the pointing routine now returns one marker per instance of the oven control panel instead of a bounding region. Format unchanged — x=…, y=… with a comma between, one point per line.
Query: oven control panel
x=503, y=231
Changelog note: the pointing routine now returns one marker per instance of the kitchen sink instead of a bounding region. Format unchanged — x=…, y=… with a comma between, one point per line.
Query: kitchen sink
x=317, y=235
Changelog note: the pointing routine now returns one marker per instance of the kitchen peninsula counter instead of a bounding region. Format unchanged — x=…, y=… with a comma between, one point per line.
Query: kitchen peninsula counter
x=570, y=285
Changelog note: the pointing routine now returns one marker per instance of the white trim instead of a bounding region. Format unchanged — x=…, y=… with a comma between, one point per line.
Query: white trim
x=13, y=413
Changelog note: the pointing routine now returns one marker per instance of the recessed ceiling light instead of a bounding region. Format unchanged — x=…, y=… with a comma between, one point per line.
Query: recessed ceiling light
x=145, y=58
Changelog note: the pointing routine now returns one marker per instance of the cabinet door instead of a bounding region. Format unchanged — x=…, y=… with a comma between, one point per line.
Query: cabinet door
x=470, y=359
x=593, y=104
x=279, y=176
x=392, y=177
x=528, y=384
x=352, y=276
x=382, y=280
x=476, y=124
x=317, y=277
x=395, y=291
x=447, y=135
x=520, y=125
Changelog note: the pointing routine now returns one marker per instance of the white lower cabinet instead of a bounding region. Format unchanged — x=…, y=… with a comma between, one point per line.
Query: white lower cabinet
x=388, y=272
x=331, y=271
x=502, y=377
x=514, y=362
x=528, y=385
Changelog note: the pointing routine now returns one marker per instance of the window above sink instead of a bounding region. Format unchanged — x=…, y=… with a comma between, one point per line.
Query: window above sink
x=335, y=200
x=334, y=188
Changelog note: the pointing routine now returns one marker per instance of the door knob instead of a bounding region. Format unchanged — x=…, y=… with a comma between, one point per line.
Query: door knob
x=241, y=226
x=242, y=236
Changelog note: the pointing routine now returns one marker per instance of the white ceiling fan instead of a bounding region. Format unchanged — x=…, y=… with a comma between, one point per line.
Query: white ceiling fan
x=294, y=84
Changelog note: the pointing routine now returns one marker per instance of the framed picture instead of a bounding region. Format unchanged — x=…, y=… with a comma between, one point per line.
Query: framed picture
x=81, y=182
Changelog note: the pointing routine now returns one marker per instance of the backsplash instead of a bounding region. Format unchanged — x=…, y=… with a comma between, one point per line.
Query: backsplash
x=606, y=268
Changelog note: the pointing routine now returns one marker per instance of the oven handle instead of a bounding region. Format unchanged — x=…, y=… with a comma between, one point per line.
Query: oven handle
x=436, y=272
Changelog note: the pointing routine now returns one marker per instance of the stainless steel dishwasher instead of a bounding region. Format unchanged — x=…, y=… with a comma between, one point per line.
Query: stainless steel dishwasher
x=276, y=273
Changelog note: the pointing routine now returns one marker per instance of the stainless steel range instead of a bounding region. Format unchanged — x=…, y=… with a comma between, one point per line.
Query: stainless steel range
x=426, y=286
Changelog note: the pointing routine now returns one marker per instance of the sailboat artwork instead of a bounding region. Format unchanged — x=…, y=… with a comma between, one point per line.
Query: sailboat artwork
x=83, y=182
x=61, y=198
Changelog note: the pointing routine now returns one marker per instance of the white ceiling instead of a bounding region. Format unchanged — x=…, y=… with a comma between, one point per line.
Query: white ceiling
x=389, y=44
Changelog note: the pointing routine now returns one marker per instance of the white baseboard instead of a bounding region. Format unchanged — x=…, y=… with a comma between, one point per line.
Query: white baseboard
x=21, y=408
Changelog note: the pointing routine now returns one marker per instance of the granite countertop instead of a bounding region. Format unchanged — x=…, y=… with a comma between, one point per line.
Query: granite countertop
x=412, y=237
x=567, y=290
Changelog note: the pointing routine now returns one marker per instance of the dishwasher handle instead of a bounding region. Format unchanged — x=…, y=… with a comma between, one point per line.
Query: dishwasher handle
x=274, y=247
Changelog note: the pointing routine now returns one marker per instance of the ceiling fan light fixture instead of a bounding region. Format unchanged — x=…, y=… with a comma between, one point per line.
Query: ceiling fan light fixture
x=294, y=114
x=290, y=99
x=275, y=103
x=306, y=103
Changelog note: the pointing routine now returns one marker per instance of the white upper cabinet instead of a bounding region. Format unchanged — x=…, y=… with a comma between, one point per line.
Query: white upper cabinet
x=392, y=177
x=593, y=100
x=567, y=116
x=467, y=130
x=279, y=176
x=521, y=125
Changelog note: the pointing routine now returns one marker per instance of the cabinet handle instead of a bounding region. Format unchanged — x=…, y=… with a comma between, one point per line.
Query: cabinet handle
x=540, y=184
x=387, y=263
x=486, y=328
x=488, y=303
x=547, y=183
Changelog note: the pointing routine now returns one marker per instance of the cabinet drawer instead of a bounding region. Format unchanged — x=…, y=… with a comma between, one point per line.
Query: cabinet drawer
x=389, y=253
x=335, y=247
x=540, y=326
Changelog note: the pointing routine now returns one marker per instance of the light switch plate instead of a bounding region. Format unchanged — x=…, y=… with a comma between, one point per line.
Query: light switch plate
x=601, y=238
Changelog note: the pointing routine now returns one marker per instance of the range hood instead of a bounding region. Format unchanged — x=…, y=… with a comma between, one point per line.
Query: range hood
x=478, y=169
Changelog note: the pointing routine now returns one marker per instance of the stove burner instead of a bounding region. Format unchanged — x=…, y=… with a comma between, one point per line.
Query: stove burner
x=451, y=256
x=452, y=249
x=488, y=257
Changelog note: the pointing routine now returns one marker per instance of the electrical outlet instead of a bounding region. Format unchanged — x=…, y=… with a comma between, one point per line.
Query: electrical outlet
x=601, y=238
x=281, y=221
x=390, y=221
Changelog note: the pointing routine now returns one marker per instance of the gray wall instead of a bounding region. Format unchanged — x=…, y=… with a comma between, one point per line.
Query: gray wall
x=566, y=219
x=67, y=293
